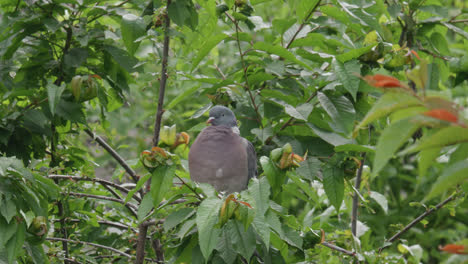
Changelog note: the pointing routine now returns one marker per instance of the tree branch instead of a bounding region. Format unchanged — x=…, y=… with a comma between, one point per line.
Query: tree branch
x=98, y=180
x=104, y=222
x=303, y=24
x=244, y=68
x=114, y=154
x=90, y=244
x=356, y=195
x=143, y=228
x=418, y=219
x=339, y=249
x=101, y=197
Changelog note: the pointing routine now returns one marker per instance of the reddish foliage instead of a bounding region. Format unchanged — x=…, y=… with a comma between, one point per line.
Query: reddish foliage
x=384, y=81
x=415, y=54
x=442, y=114
x=454, y=249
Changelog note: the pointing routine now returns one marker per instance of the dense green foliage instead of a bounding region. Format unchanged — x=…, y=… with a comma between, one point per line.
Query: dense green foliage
x=300, y=76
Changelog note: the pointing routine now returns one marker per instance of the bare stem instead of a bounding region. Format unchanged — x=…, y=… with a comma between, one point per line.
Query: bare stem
x=339, y=249
x=357, y=186
x=244, y=67
x=143, y=227
x=303, y=24
x=114, y=154
x=101, y=197
x=100, y=181
x=104, y=222
x=90, y=244
x=418, y=219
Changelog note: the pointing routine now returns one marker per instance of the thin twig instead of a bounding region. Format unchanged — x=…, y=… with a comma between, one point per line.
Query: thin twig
x=418, y=219
x=101, y=197
x=433, y=54
x=190, y=187
x=98, y=180
x=103, y=222
x=90, y=244
x=458, y=21
x=337, y=248
x=356, y=195
x=244, y=67
x=143, y=228
x=162, y=84
x=113, y=153
x=303, y=24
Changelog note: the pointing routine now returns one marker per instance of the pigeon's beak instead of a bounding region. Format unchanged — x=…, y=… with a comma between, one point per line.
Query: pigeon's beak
x=210, y=120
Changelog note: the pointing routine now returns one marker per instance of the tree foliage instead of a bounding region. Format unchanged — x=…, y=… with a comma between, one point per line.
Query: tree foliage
x=355, y=108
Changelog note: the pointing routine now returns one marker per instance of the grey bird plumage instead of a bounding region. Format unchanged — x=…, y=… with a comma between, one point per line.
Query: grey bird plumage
x=220, y=156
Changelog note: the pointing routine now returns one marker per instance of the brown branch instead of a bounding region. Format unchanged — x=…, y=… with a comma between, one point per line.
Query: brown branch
x=418, y=219
x=101, y=197
x=303, y=24
x=339, y=249
x=190, y=188
x=162, y=84
x=103, y=222
x=244, y=67
x=143, y=227
x=98, y=180
x=90, y=244
x=356, y=195
x=458, y=21
x=114, y=154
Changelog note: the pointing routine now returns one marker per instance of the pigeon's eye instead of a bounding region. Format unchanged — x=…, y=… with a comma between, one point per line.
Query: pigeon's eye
x=222, y=115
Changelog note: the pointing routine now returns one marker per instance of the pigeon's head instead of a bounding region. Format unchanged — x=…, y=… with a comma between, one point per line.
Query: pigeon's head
x=222, y=116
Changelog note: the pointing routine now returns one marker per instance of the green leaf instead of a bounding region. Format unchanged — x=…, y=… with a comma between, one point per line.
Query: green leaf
x=8, y=209
x=354, y=147
x=261, y=227
x=71, y=111
x=259, y=189
x=138, y=186
x=308, y=168
x=330, y=137
x=380, y=199
x=207, y=217
x=7, y=230
x=145, y=207
x=444, y=137
x=279, y=51
x=346, y=73
x=183, y=13
x=225, y=247
x=182, y=96
x=426, y=160
x=333, y=184
x=209, y=44
x=301, y=112
x=304, y=8
x=341, y=111
x=75, y=57
x=243, y=241
x=54, y=92
x=15, y=244
x=273, y=174
x=388, y=103
x=123, y=58
x=392, y=138
x=177, y=217
x=456, y=29
x=354, y=54
x=452, y=176
x=132, y=28
x=161, y=183
x=260, y=77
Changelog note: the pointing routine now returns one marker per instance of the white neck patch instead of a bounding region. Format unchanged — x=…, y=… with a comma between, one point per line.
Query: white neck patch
x=235, y=130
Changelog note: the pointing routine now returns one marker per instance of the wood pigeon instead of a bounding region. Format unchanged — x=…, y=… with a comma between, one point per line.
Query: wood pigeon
x=220, y=156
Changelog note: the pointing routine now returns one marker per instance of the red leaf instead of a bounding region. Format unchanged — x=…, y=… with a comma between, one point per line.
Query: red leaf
x=380, y=80
x=454, y=249
x=246, y=204
x=415, y=54
x=442, y=114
